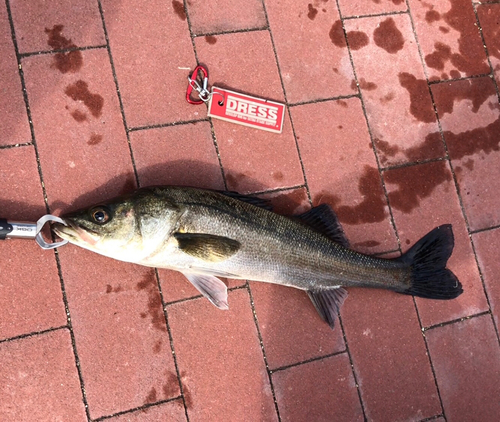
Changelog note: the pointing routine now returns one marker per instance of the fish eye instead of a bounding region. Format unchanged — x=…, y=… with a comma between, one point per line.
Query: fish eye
x=100, y=215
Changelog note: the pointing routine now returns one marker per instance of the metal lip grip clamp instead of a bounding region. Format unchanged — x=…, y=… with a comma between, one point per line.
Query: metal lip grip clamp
x=25, y=230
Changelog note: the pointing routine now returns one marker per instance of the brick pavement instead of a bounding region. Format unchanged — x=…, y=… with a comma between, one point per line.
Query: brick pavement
x=393, y=119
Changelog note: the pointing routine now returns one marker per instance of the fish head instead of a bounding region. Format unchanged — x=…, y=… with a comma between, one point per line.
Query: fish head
x=127, y=228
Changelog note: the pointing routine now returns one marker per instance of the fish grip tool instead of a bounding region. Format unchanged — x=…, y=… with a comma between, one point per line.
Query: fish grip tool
x=27, y=230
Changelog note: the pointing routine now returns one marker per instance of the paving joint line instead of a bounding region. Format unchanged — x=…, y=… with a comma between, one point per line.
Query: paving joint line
x=486, y=229
x=305, y=362
x=454, y=321
x=322, y=100
x=212, y=130
x=432, y=418
x=306, y=185
x=232, y=31
x=25, y=144
x=375, y=15
x=61, y=51
x=135, y=409
x=351, y=362
x=118, y=93
x=171, y=341
x=162, y=125
x=413, y=164
x=263, y=350
x=462, y=78
x=32, y=334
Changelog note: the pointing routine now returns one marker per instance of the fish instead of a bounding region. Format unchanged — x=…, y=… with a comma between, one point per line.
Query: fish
x=208, y=234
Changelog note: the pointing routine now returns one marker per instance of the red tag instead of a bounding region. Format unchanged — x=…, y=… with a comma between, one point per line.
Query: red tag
x=246, y=110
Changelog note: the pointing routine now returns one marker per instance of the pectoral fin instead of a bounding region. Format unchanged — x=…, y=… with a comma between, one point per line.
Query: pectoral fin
x=207, y=247
x=210, y=287
x=328, y=303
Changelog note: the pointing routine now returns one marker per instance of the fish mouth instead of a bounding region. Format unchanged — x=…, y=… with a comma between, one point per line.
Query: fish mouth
x=74, y=233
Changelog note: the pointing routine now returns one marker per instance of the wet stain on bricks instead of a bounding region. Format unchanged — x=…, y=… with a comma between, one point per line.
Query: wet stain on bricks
x=71, y=61
x=79, y=91
x=388, y=36
x=178, y=7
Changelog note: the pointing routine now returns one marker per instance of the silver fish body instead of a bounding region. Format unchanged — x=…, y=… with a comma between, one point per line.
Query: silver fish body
x=208, y=234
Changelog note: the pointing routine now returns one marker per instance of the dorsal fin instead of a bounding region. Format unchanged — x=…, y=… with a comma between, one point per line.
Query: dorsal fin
x=249, y=199
x=323, y=220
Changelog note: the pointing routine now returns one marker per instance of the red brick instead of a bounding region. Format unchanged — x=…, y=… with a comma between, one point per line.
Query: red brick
x=39, y=380
x=449, y=39
x=291, y=329
x=370, y=7
x=487, y=245
x=466, y=360
x=253, y=160
x=489, y=16
x=220, y=360
x=422, y=197
x=335, y=395
x=312, y=66
x=152, y=54
x=81, y=21
x=78, y=142
x=181, y=155
x=470, y=118
x=389, y=356
x=30, y=295
x=172, y=411
x=341, y=170
x=212, y=16
x=395, y=92
x=14, y=125
x=120, y=332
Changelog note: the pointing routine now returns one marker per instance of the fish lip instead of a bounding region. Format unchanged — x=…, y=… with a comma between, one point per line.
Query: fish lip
x=75, y=232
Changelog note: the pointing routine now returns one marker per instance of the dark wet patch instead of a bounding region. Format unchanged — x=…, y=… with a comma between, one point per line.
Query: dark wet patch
x=432, y=147
x=432, y=16
x=211, y=39
x=388, y=97
x=289, y=203
x=386, y=150
x=440, y=55
x=129, y=185
x=178, y=7
x=94, y=139
x=111, y=289
x=420, y=100
x=79, y=91
x=490, y=21
x=234, y=180
x=444, y=29
x=312, y=11
x=337, y=34
x=455, y=74
x=148, y=281
x=340, y=127
x=357, y=39
x=397, y=2
x=470, y=58
x=70, y=61
x=172, y=387
x=367, y=244
x=408, y=241
x=482, y=139
x=476, y=90
x=469, y=164
x=157, y=347
x=368, y=86
x=415, y=183
x=354, y=85
x=79, y=116
x=342, y=103
x=388, y=36
x=372, y=207
x=278, y=175
x=151, y=397
x=155, y=306
x=335, y=69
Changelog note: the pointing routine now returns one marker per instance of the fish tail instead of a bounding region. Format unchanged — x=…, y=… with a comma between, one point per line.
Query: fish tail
x=427, y=260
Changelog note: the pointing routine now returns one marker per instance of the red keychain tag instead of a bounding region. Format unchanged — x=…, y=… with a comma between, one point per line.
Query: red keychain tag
x=235, y=107
x=246, y=110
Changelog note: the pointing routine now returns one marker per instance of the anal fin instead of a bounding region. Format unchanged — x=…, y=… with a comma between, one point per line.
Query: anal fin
x=328, y=303
x=210, y=287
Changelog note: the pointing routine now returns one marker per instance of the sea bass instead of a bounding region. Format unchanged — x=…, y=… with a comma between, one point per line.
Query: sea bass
x=207, y=234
